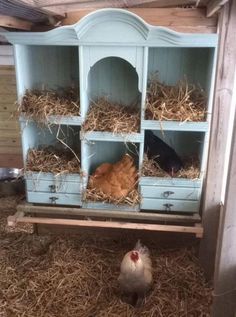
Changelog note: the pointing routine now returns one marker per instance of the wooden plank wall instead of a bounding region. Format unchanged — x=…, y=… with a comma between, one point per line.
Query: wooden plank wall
x=190, y=20
x=10, y=146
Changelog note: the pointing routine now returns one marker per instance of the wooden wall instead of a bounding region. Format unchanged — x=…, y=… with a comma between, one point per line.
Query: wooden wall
x=10, y=147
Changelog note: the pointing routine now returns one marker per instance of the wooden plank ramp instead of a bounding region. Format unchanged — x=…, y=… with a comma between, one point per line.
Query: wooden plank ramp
x=51, y=219
x=86, y=212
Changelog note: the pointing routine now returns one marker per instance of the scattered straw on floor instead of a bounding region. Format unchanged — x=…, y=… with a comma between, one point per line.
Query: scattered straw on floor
x=191, y=168
x=39, y=104
x=94, y=195
x=76, y=276
x=183, y=102
x=52, y=160
x=112, y=117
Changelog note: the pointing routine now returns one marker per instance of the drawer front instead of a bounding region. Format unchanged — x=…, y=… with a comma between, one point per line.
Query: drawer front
x=186, y=193
x=170, y=182
x=54, y=198
x=170, y=205
x=107, y=206
x=35, y=176
x=53, y=186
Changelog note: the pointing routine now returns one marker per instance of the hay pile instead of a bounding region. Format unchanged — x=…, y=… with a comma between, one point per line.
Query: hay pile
x=94, y=195
x=151, y=168
x=112, y=117
x=191, y=168
x=77, y=276
x=52, y=160
x=183, y=102
x=40, y=104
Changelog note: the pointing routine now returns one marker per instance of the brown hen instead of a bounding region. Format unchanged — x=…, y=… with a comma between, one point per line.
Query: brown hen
x=115, y=180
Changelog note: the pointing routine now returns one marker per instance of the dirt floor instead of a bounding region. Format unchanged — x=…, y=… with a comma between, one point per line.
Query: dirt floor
x=58, y=276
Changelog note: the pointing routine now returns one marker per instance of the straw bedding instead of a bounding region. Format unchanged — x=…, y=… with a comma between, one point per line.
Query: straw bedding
x=104, y=115
x=39, y=104
x=52, y=160
x=191, y=168
x=182, y=102
x=77, y=277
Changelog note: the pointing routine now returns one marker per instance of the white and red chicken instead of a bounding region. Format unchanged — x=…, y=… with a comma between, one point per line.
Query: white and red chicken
x=135, y=277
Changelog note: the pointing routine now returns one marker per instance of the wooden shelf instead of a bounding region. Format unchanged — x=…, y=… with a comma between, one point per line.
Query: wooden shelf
x=64, y=120
x=175, y=125
x=109, y=136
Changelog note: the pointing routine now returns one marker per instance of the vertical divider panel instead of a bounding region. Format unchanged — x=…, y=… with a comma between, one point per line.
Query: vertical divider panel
x=210, y=92
x=143, y=103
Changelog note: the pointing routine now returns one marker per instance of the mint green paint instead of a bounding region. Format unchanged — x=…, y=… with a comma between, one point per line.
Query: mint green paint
x=111, y=53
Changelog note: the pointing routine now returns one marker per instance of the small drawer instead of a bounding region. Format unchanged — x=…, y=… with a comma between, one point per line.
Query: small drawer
x=53, y=186
x=54, y=198
x=170, y=205
x=186, y=193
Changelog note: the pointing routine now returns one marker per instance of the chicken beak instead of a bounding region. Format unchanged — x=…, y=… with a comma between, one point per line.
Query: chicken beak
x=172, y=172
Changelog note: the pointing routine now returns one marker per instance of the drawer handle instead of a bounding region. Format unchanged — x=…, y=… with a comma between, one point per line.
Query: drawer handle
x=168, y=207
x=167, y=193
x=52, y=188
x=53, y=199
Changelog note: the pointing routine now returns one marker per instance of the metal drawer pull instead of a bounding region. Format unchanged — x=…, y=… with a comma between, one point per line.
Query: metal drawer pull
x=167, y=193
x=53, y=199
x=168, y=206
x=52, y=188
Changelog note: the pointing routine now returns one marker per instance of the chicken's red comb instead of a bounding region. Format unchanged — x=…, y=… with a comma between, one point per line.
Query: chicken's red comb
x=134, y=256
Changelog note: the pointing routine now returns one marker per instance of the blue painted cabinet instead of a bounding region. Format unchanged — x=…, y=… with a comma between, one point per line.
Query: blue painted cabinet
x=111, y=53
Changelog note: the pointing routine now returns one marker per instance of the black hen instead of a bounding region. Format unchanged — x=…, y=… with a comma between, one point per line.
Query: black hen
x=162, y=153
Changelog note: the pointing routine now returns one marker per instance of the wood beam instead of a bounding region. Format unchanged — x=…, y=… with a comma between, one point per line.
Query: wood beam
x=224, y=295
x=110, y=4
x=87, y=3
x=117, y=4
x=68, y=6
x=165, y=3
x=201, y=3
x=179, y=19
x=19, y=217
x=225, y=75
x=32, y=4
x=214, y=5
x=72, y=211
x=15, y=23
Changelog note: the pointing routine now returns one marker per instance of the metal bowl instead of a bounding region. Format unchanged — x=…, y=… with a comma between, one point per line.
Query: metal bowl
x=9, y=173
x=11, y=182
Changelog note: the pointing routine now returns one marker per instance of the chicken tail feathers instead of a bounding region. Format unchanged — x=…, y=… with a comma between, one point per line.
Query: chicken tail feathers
x=141, y=248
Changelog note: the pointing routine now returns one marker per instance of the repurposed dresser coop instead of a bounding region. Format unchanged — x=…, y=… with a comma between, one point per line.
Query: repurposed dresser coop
x=112, y=54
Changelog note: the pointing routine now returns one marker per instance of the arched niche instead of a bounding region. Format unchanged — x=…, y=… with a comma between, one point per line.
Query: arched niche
x=115, y=79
